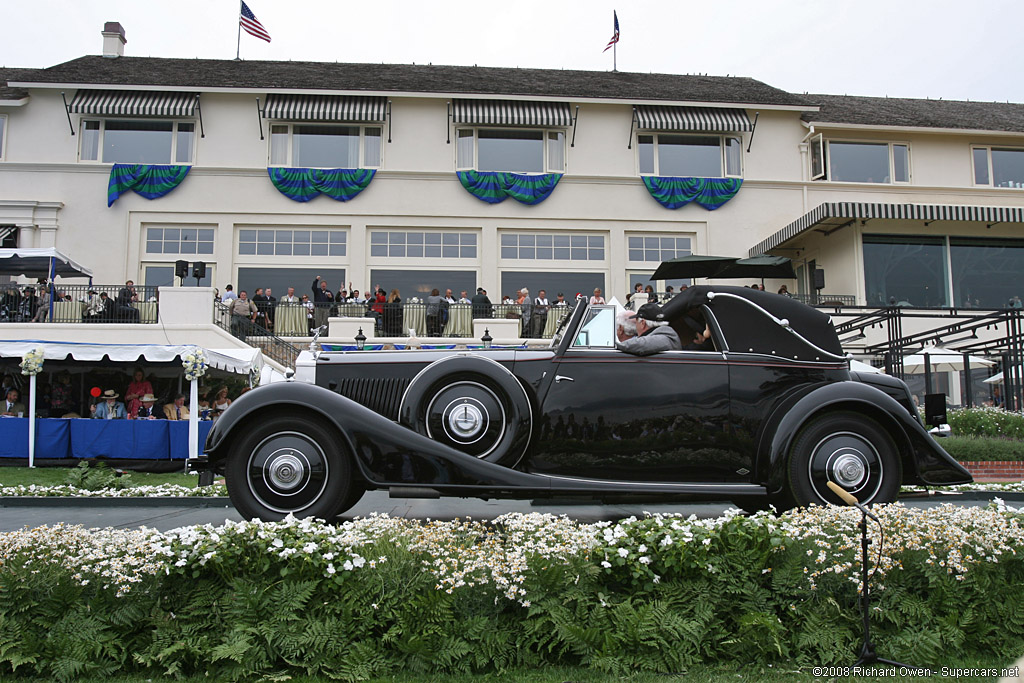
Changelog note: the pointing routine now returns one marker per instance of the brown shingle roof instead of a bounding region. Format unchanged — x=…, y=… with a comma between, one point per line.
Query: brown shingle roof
x=898, y=111
x=469, y=80
x=7, y=92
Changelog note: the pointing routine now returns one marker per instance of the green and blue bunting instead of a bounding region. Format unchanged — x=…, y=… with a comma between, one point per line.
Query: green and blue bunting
x=494, y=187
x=147, y=180
x=303, y=184
x=711, y=193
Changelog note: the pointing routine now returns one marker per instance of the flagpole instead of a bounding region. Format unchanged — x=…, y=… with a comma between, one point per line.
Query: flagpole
x=615, y=57
x=238, y=45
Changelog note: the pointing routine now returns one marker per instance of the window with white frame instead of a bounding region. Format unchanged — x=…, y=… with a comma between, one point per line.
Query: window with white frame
x=551, y=247
x=3, y=132
x=308, y=145
x=998, y=166
x=696, y=156
x=179, y=240
x=657, y=248
x=137, y=141
x=288, y=242
x=859, y=162
x=510, y=150
x=418, y=244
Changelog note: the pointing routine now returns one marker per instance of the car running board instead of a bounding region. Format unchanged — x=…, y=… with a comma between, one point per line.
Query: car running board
x=412, y=492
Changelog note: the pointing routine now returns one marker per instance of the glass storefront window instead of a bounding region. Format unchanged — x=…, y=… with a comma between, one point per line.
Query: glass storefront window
x=905, y=270
x=986, y=272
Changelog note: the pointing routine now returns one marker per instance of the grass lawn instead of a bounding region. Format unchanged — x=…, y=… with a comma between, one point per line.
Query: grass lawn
x=52, y=476
x=697, y=674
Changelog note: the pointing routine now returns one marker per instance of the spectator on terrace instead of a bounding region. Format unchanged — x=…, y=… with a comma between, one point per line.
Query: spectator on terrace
x=260, y=300
x=598, y=299
x=290, y=297
x=229, y=294
x=323, y=299
x=243, y=313
x=482, y=307
x=433, y=312
x=393, y=314
x=127, y=296
x=464, y=299
x=28, y=305
x=271, y=303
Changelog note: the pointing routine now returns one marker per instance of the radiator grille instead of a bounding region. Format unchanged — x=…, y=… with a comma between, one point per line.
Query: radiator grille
x=383, y=396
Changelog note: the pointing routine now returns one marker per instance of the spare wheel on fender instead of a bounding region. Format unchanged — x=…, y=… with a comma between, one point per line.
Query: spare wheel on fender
x=472, y=404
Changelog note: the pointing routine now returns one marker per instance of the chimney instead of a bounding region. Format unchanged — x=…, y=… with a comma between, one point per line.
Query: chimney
x=113, y=39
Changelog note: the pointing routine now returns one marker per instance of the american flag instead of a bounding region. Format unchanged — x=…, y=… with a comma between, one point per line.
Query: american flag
x=253, y=26
x=615, y=36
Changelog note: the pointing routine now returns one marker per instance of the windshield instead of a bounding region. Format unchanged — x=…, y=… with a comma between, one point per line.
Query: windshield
x=598, y=329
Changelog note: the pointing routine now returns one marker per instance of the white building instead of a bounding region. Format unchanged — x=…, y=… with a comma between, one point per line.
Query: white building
x=920, y=201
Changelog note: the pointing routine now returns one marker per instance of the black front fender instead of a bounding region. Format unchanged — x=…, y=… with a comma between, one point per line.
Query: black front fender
x=924, y=461
x=386, y=453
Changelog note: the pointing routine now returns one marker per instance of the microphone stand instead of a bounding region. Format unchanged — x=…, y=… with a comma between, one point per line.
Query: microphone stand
x=868, y=655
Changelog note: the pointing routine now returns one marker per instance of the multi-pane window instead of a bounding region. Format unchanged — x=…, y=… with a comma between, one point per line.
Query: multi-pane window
x=860, y=162
x=657, y=249
x=531, y=246
x=179, y=240
x=696, y=156
x=273, y=242
x=306, y=145
x=137, y=141
x=413, y=244
x=998, y=166
x=510, y=150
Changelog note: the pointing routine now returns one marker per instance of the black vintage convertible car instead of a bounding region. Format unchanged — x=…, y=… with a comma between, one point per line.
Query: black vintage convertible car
x=769, y=414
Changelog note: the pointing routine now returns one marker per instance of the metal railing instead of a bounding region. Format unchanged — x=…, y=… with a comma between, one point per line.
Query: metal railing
x=819, y=299
x=79, y=304
x=254, y=334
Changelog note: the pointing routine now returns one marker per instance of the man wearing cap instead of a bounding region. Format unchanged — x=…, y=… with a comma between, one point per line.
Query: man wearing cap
x=147, y=409
x=110, y=408
x=646, y=332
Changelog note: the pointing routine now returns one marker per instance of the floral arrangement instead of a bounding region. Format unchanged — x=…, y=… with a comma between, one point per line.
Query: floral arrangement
x=415, y=300
x=32, y=363
x=194, y=363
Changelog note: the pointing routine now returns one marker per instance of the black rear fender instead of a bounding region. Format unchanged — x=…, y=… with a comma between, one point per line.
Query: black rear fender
x=923, y=460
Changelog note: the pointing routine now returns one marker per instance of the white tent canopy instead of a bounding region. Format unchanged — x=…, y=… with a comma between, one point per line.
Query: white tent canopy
x=241, y=361
x=37, y=263
x=997, y=378
x=940, y=360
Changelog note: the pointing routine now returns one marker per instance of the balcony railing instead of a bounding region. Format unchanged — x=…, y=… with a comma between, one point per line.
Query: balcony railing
x=256, y=335
x=79, y=304
x=396, y=320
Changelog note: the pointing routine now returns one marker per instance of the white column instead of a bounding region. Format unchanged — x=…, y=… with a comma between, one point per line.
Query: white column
x=31, y=420
x=193, y=419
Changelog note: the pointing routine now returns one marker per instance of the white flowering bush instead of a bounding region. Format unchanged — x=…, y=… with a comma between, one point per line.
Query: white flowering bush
x=194, y=363
x=378, y=595
x=144, y=491
x=32, y=363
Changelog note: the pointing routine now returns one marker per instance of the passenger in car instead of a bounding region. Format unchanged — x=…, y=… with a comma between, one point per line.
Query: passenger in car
x=652, y=333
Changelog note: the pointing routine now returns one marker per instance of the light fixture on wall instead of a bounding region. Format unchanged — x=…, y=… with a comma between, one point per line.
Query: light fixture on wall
x=360, y=340
x=487, y=339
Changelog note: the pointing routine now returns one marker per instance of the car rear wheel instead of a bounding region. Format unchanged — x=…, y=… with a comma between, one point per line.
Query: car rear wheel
x=290, y=464
x=850, y=449
x=473, y=405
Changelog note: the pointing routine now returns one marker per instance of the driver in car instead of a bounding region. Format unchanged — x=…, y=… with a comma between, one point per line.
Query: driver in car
x=646, y=332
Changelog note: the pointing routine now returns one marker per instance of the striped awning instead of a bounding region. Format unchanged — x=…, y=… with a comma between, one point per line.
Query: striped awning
x=511, y=113
x=325, y=108
x=133, y=103
x=836, y=214
x=704, y=119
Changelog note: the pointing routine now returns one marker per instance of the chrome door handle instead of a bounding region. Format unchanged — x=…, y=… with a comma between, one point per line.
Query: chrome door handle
x=559, y=378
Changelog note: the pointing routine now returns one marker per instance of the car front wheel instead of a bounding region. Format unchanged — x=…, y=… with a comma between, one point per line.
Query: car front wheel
x=850, y=449
x=289, y=464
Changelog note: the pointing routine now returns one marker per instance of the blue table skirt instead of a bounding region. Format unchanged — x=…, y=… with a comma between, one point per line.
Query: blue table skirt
x=84, y=438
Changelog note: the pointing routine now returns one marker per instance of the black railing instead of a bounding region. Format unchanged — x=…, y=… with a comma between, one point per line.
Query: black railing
x=819, y=299
x=79, y=303
x=255, y=334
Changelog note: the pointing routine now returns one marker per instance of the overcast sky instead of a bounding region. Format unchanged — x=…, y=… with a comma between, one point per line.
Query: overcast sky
x=899, y=48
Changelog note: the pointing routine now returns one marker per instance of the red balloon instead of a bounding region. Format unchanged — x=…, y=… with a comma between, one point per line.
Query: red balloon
x=95, y=392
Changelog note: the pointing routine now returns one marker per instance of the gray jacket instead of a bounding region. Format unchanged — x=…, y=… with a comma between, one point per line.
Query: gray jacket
x=661, y=338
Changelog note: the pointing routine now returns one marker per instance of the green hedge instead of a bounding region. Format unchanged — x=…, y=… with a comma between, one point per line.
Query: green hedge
x=983, y=448
x=987, y=422
x=384, y=595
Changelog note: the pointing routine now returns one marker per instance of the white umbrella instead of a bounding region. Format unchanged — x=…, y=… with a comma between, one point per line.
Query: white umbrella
x=942, y=360
x=858, y=366
x=998, y=378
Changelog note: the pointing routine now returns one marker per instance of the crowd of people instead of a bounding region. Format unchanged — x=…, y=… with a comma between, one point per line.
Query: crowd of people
x=32, y=303
x=139, y=400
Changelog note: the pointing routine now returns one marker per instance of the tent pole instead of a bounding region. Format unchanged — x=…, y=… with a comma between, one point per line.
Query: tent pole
x=193, y=419
x=52, y=289
x=32, y=421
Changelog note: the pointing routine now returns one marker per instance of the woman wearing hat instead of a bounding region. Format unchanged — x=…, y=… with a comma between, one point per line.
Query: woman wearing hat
x=109, y=408
x=147, y=405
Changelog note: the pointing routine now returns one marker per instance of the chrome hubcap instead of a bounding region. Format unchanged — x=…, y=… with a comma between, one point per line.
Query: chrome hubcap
x=849, y=469
x=285, y=470
x=465, y=420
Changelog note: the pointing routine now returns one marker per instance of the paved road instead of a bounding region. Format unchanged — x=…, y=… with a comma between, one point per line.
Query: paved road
x=124, y=515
